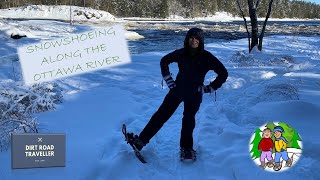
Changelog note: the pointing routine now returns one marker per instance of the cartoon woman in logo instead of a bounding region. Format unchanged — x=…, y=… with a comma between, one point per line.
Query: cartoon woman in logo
x=266, y=145
x=280, y=144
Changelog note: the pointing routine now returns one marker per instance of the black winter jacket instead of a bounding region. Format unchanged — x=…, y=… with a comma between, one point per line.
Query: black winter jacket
x=193, y=68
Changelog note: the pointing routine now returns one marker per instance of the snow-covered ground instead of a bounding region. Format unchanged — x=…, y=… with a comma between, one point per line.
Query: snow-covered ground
x=279, y=84
x=60, y=12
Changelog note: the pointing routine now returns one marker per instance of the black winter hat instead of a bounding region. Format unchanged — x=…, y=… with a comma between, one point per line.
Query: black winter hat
x=195, y=32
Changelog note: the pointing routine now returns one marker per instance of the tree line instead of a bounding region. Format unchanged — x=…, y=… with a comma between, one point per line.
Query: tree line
x=184, y=8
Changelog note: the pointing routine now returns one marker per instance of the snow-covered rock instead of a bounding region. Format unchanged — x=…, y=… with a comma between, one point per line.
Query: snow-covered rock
x=61, y=12
x=130, y=35
x=219, y=17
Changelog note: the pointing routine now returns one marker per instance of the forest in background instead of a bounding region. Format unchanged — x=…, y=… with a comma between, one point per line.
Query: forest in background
x=184, y=8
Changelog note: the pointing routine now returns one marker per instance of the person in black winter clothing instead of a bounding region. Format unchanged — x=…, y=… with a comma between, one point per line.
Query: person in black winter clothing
x=194, y=62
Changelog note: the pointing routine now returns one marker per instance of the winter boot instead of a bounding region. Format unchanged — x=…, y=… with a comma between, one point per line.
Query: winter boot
x=135, y=140
x=270, y=164
x=263, y=164
x=289, y=162
x=187, y=153
x=277, y=166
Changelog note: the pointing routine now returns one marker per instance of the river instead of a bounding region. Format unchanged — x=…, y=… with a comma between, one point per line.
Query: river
x=164, y=36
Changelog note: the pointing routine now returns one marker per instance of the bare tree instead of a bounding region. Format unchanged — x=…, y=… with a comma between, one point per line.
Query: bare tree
x=254, y=38
x=245, y=23
x=265, y=24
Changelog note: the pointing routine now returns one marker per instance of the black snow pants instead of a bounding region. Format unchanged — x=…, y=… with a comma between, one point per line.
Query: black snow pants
x=168, y=107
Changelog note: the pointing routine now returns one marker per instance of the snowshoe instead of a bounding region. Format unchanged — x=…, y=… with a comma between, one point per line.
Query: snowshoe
x=270, y=164
x=134, y=139
x=188, y=154
x=134, y=142
x=289, y=162
x=263, y=165
x=277, y=166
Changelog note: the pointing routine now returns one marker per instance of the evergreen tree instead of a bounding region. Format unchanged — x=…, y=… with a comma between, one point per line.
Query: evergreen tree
x=271, y=126
x=214, y=7
x=163, y=9
x=204, y=6
x=255, y=143
x=295, y=140
x=175, y=8
x=291, y=136
x=287, y=134
x=185, y=8
x=220, y=5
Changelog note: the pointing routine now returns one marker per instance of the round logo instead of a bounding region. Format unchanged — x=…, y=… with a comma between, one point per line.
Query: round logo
x=275, y=146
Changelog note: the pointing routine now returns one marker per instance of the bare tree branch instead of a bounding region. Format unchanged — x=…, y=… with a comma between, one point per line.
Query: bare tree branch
x=245, y=22
x=257, y=3
x=264, y=25
x=21, y=122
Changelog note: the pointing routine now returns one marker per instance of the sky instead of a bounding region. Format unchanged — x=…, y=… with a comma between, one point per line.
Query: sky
x=315, y=1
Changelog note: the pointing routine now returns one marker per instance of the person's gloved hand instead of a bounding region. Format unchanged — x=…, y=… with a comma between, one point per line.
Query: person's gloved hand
x=170, y=82
x=215, y=85
x=205, y=89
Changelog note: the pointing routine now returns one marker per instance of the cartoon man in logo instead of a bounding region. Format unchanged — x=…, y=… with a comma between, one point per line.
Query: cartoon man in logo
x=280, y=144
x=266, y=145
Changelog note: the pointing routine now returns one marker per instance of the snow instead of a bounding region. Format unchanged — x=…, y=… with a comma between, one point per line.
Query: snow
x=61, y=12
x=311, y=75
x=217, y=17
x=130, y=35
x=281, y=83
